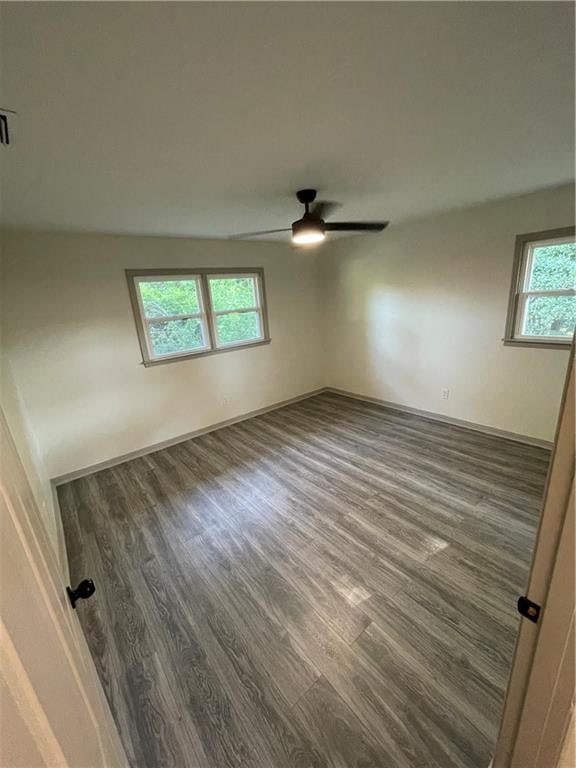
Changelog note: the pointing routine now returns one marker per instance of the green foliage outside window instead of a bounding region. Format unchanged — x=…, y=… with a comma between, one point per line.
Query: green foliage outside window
x=235, y=293
x=232, y=293
x=168, y=337
x=167, y=298
x=235, y=327
x=553, y=268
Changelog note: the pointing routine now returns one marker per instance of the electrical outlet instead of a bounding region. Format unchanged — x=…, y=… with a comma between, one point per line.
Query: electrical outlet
x=445, y=394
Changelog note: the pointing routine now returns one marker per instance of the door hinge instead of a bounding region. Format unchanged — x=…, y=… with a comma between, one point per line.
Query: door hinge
x=528, y=609
x=4, y=132
x=7, y=121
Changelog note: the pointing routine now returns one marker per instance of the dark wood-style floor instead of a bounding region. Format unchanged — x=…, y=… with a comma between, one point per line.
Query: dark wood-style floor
x=329, y=584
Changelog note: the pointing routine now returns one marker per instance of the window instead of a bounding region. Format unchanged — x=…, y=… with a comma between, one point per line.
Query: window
x=542, y=309
x=236, y=309
x=181, y=313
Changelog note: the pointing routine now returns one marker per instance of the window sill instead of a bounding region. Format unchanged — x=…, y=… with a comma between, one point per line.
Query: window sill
x=564, y=345
x=192, y=355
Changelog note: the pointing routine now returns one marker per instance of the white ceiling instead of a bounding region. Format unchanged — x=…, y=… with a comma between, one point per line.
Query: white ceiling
x=204, y=118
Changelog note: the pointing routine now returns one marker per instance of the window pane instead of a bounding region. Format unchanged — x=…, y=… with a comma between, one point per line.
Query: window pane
x=233, y=293
x=169, y=297
x=170, y=336
x=549, y=316
x=238, y=326
x=553, y=267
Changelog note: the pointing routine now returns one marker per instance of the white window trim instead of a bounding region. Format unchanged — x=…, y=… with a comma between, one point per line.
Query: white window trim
x=520, y=291
x=207, y=315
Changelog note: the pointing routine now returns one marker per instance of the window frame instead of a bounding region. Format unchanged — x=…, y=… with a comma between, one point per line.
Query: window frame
x=202, y=315
x=207, y=314
x=519, y=293
x=214, y=313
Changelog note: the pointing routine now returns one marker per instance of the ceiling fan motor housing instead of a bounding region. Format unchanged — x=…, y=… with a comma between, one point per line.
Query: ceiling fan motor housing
x=306, y=196
x=308, y=223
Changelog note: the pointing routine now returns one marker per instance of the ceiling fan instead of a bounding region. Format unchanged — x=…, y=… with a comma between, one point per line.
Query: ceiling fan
x=312, y=227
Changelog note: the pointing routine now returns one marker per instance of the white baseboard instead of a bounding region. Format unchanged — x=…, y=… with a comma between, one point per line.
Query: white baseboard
x=69, y=476
x=76, y=474
x=517, y=438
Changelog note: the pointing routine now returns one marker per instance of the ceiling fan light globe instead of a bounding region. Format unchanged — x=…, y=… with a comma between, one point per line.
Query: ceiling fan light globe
x=307, y=232
x=308, y=238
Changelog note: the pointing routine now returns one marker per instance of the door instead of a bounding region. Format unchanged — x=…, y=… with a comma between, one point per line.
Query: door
x=52, y=709
x=541, y=686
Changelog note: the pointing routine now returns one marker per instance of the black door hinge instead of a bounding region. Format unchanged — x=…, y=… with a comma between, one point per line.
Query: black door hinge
x=4, y=132
x=529, y=609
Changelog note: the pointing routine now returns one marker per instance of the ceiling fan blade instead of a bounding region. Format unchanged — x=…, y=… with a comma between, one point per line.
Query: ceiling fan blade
x=356, y=226
x=258, y=234
x=323, y=209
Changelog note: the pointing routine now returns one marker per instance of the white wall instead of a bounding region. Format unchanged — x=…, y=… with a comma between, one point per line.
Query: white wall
x=423, y=307
x=418, y=309
x=27, y=446
x=70, y=335
x=26, y=442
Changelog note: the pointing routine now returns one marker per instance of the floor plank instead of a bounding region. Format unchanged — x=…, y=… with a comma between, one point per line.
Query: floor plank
x=336, y=730
x=329, y=585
